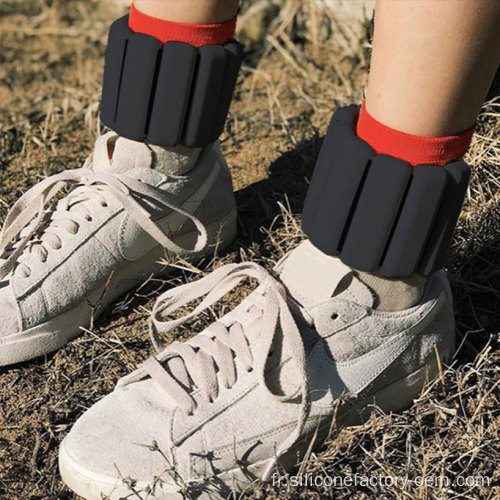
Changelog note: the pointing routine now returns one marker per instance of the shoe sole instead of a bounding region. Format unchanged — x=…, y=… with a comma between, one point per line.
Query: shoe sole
x=395, y=397
x=57, y=332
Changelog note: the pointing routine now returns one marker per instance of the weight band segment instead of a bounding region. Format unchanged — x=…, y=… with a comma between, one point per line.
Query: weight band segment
x=167, y=94
x=376, y=211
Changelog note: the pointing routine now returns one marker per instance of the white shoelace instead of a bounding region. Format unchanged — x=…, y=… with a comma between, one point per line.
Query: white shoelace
x=32, y=226
x=208, y=359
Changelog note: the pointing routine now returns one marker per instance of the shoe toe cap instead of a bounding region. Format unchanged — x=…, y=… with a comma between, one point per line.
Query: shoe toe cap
x=122, y=440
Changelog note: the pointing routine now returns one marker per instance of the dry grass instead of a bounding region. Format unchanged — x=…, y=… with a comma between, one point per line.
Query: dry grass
x=308, y=64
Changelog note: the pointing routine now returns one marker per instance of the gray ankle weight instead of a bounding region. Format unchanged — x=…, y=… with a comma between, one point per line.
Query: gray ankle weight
x=167, y=94
x=376, y=211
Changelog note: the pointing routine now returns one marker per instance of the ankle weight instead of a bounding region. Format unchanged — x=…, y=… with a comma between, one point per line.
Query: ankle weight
x=167, y=94
x=376, y=211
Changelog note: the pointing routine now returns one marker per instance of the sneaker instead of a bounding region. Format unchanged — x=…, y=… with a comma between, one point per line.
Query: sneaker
x=104, y=236
x=205, y=418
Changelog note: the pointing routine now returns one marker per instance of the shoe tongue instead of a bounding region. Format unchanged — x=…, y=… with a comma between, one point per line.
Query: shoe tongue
x=120, y=154
x=312, y=277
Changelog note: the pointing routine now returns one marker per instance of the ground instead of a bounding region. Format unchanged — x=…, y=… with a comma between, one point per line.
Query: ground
x=303, y=60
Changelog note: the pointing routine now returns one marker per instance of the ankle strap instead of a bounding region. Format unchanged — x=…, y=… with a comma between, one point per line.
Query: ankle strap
x=167, y=94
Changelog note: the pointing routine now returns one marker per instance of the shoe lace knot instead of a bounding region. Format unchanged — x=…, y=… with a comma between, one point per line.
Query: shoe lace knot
x=207, y=361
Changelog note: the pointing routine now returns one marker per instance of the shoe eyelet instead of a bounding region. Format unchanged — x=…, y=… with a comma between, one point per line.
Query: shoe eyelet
x=250, y=370
x=334, y=315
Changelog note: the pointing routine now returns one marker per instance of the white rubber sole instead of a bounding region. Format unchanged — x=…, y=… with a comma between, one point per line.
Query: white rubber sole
x=54, y=334
x=395, y=397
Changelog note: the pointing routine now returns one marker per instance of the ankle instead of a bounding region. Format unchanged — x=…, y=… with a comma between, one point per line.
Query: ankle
x=201, y=12
x=414, y=149
x=168, y=24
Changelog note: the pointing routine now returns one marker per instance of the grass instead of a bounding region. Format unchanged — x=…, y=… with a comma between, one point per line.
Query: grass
x=307, y=62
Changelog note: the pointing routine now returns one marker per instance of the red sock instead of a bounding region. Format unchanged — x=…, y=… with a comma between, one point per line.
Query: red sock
x=414, y=149
x=170, y=31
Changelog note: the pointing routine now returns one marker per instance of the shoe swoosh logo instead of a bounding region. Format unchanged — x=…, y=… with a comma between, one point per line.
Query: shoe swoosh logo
x=355, y=375
x=327, y=378
x=134, y=242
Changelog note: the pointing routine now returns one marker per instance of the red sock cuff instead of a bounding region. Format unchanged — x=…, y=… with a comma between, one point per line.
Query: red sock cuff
x=414, y=149
x=170, y=31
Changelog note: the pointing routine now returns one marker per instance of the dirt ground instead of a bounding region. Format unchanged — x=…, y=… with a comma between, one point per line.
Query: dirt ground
x=302, y=62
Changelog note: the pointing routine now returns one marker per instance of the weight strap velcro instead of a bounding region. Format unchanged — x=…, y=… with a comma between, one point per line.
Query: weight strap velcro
x=377, y=212
x=167, y=94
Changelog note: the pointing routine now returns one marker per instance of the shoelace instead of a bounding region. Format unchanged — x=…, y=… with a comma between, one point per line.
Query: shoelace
x=30, y=217
x=196, y=360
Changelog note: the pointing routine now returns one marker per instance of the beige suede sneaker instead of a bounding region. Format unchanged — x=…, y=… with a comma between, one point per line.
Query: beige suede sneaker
x=124, y=211
x=207, y=417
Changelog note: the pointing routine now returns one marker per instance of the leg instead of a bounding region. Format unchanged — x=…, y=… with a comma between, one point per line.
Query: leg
x=432, y=64
x=165, y=105
x=432, y=82
x=190, y=11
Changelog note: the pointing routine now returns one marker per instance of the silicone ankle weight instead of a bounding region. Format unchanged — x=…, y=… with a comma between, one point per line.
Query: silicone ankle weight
x=376, y=211
x=167, y=94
